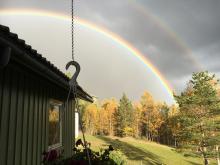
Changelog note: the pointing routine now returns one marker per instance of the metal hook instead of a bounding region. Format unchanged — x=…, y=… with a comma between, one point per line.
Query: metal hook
x=73, y=81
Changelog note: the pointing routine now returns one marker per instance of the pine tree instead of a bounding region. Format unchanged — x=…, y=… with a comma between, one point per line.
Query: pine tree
x=123, y=116
x=200, y=109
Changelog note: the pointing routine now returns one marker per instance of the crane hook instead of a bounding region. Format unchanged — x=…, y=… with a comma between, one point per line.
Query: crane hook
x=73, y=81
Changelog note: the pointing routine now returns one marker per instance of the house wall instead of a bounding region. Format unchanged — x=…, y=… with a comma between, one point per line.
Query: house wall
x=24, y=103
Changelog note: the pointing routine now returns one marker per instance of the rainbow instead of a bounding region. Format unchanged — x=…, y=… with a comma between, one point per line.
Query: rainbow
x=163, y=25
x=114, y=37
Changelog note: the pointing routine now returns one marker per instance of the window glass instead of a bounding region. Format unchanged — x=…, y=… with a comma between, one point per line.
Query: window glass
x=55, y=125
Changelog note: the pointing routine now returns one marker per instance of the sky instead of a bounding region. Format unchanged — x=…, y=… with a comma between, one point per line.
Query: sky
x=177, y=37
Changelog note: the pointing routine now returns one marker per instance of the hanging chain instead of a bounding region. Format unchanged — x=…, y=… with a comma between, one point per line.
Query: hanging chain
x=75, y=87
x=81, y=125
x=72, y=28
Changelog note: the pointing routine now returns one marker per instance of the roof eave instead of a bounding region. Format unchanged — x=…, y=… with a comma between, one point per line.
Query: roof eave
x=27, y=57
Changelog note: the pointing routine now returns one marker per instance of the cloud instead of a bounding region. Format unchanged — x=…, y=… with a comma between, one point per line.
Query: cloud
x=141, y=31
x=195, y=28
x=210, y=57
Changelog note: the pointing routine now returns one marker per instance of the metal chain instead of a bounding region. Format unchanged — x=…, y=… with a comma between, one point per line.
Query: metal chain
x=81, y=125
x=74, y=88
x=72, y=28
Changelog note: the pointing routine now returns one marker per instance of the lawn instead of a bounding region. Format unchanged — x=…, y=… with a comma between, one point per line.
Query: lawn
x=140, y=152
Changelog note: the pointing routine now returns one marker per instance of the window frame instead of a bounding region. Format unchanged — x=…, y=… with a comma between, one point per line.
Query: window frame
x=60, y=105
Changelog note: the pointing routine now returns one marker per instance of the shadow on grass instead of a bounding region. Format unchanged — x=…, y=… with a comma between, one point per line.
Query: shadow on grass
x=133, y=153
x=193, y=163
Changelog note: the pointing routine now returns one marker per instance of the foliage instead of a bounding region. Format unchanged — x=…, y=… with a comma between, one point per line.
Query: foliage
x=146, y=118
x=123, y=116
x=199, y=112
x=109, y=107
x=193, y=123
x=151, y=117
x=117, y=157
x=90, y=118
x=107, y=156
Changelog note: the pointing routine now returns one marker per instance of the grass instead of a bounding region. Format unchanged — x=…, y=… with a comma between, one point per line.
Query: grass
x=140, y=152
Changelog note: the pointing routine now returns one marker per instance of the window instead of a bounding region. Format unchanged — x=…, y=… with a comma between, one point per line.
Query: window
x=55, y=125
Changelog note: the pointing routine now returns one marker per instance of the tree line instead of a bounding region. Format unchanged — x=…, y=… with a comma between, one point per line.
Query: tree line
x=146, y=118
x=193, y=123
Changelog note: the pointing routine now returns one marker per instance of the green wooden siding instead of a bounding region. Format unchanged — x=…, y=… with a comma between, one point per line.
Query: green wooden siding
x=24, y=103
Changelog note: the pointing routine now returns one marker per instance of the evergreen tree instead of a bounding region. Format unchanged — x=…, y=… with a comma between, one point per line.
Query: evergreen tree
x=123, y=116
x=199, y=114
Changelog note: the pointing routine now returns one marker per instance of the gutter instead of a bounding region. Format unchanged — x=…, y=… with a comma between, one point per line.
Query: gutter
x=29, y=61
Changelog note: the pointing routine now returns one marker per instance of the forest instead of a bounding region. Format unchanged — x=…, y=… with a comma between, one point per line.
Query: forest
x=192, y=124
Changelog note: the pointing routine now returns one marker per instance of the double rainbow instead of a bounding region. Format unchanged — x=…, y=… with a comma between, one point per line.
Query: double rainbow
x=114, y=37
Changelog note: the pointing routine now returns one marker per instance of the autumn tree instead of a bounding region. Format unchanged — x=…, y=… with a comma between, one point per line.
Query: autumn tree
x=147, y=105
x=151, y=117
x=108, y=109
x=137, y=116
x=173, y=124
x=90, y=119
x=200, y=110
x=164, y=129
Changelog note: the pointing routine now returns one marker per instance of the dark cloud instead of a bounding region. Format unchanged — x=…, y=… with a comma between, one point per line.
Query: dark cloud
x=210, y=57
x=195, y=22
x=142, y=31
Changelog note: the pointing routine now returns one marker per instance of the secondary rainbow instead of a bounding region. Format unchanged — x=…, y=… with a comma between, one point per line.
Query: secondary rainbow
x=98, y=29
x=163, y=25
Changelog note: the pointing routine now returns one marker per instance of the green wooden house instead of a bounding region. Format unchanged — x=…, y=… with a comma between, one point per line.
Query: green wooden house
x=34, y=115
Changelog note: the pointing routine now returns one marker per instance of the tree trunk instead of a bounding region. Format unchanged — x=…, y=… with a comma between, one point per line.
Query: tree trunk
x=206, y=161
x=217, y=156
x=218, y=161
x=175, y=142
x=204, y=157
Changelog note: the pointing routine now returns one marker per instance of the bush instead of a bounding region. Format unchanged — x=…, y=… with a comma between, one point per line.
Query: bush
x=128, y=131
x=107, y=156
x=117, y=157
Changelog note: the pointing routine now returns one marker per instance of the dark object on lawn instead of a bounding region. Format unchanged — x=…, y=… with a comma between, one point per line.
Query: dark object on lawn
x=110, y=148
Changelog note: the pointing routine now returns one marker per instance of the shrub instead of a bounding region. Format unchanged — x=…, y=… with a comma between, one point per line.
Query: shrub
x=117, y=157
x=107, y=156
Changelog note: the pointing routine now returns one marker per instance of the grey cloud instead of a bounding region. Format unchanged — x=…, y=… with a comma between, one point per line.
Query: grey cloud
x=210, y=56
x=142, y=31
x=196, y=22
